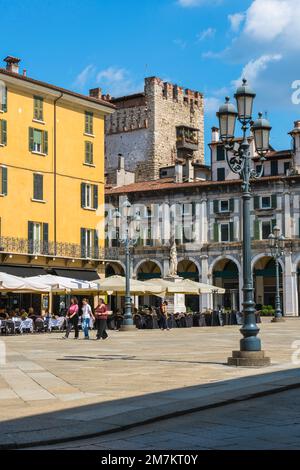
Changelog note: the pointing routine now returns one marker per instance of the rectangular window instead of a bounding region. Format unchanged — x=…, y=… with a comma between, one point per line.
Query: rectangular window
x=89, y=243
x=274, y=168
x=224, y=230
x=89, y=123
x=89, y=150
x=3, y=132
x=3, y=97
x=220, y=153
x=258, y=169
x=89, y=196
x=287, y=167
x=266, y=202
x=38, y=237
x=221, y=174
x=224, y=206
x=266, y=229
x=38, y=187
x=3, y=181
x=38, y=108
x=38, y=141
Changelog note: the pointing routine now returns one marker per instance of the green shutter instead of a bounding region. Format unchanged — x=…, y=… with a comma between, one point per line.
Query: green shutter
x=38, y=108
x=216, y=232
x=82, y=243
x=274, y=201
x=231, y=231
x=273, y=224
x=45, y=142
x=96, y=245
x=46, y=238
x=256, y=202
x=95, y=197
x=3, y=131
x=256, y=230
x=3, y=98
x=38, y=187
x=216, y=207
x=4, y=181
x=83, y=185
x=31, y=139
x=30, y=237
x=89, y=152
x=231, y=205
x=88, y=123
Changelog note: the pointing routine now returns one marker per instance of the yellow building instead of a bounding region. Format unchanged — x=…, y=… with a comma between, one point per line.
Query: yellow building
x=51, y=176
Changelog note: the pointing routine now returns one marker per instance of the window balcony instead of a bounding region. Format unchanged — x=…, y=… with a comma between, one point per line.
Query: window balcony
x=22, y=246
x=187, y=138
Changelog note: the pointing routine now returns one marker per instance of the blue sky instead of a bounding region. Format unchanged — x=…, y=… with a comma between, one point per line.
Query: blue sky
x=206, y=45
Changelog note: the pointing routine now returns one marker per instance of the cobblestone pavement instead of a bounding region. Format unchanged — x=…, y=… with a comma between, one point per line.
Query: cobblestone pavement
x=51, y=388
x=271, y=422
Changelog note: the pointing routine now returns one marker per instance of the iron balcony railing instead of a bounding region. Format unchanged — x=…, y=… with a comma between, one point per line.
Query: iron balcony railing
x=22, y=246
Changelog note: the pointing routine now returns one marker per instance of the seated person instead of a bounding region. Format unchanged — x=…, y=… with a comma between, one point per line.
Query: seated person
x=24, y=314
x=3, y=314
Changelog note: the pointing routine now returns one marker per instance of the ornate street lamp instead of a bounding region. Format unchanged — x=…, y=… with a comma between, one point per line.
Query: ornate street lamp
x=239, y=160
x=129, y=240
x=277, y=245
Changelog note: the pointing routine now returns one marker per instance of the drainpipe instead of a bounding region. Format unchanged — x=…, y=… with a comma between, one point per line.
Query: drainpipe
x=54, y=170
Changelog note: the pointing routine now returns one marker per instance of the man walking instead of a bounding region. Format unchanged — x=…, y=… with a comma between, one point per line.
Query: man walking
x=101, y=319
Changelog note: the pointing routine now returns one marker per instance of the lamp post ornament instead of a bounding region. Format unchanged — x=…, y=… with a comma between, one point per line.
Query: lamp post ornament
x=129, y=241
x=239, y=160
x=277, y=245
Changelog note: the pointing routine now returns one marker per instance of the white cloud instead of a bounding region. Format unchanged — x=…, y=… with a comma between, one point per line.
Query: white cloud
x=117, y=81
x=235, y=21
x=268, y=19
x=254, y=68
x=84, y=76
x=211, y=104
x=206, y=34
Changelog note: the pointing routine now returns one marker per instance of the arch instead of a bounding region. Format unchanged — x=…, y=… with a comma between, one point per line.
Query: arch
x=112, y=269
x=264, y=279
x=188, y=268
x=226, y=273
x=260, y=256
x=151, y=262
x=220, y=258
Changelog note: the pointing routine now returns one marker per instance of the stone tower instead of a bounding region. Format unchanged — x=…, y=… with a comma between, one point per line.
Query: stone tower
x=154, y=128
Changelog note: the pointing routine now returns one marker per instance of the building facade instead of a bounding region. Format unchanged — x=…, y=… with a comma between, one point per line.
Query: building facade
x=51, y=176
x=205, y=218
x=152, y=129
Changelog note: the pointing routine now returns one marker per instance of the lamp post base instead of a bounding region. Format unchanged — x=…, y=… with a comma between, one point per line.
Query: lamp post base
x=248, y=359
x=277, y=320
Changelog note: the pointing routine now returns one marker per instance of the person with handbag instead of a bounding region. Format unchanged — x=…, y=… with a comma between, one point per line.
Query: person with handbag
x=101, y=320
x=73, y=318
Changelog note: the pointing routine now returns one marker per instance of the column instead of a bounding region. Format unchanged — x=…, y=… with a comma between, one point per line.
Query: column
x=290, y=290
x=287, y=216
x=205, y=299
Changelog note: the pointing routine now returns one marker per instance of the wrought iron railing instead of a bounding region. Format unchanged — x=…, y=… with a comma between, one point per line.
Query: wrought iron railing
x=22, y=246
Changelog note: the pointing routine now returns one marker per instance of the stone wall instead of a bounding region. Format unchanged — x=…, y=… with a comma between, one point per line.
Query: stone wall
x=143, y=128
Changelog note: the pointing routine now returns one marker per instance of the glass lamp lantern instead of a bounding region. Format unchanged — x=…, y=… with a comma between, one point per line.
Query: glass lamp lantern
x=261, y=129
x=281, y=242
x=272, y=240
x=227, y=118
x=245, y=97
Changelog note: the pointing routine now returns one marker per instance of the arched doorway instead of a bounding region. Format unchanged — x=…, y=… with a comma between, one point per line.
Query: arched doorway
x=113, y=269
x=189, y=270
x=145, y=271
x=264, y=274
x=148, y=270
x=226, y=275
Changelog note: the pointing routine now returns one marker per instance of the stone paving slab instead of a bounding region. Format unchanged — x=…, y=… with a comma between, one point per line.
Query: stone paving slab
x=53, y=390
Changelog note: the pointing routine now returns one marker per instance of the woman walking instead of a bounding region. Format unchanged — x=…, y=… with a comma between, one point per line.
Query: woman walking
x=73, y=317
x=164, y=316
x=87, y=315
x=101, y=319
